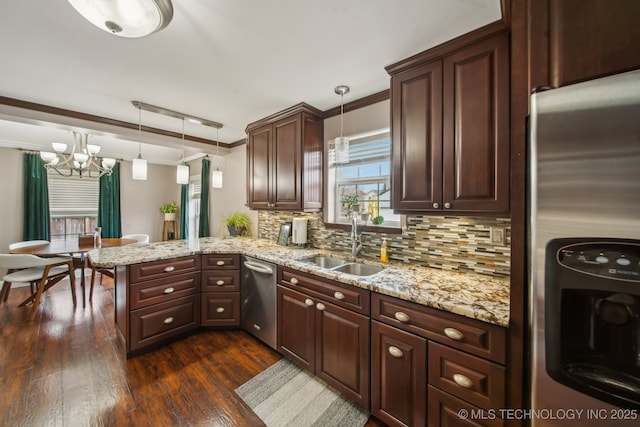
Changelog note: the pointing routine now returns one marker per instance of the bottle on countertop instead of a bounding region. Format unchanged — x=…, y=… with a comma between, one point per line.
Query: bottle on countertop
x=384, y=256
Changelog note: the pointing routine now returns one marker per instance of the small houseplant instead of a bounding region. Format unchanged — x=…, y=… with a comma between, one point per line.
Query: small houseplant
x=169, y=210
x=349, y=203
x=237, y=224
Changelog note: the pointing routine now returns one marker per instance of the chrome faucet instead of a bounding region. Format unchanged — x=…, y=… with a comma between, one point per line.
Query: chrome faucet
x=356, y=238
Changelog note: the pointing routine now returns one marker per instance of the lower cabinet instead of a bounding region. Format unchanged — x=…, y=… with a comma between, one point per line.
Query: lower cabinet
x=328, y=340
x=399, y=377
x=220, y=299
x=220, y=308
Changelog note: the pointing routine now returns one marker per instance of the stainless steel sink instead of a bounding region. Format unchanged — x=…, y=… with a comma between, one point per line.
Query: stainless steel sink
x=357, y=269
x=325, y=261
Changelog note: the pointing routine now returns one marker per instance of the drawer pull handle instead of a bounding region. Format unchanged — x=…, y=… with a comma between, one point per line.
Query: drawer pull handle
x=320, y=306
x=447, y=205
x=294, y=281
x=403, y=317
x=169, y=290
x=338, y=295
x=395, y=351
x=220, y=262
x=220, y=282
x=462, y=380
x=220, y=310
x=454, y=334
x=309, y=302
x=169, y=269
x=168, y=320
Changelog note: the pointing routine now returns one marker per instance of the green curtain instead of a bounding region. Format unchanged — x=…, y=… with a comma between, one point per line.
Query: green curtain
x=184, y=211
x=109, y=204
x=36, y=218
x=204, y=200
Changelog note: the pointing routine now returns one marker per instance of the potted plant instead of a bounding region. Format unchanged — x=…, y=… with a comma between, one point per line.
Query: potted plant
x=169, y=210
x=237, y=224
x=350, y=203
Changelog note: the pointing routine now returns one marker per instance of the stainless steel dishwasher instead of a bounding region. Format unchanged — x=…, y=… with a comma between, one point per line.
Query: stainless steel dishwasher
x=258, y=294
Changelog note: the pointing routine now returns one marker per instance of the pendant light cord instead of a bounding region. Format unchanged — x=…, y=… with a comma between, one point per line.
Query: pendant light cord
x=341, y=114
x=139, y=132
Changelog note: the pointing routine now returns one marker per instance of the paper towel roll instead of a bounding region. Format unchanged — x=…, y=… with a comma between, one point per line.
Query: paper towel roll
x=299, y=231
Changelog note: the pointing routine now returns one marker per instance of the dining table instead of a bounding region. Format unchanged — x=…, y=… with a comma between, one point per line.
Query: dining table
x=72, y=247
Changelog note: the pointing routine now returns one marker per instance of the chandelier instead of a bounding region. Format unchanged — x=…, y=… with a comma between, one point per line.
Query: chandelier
x=82, y=160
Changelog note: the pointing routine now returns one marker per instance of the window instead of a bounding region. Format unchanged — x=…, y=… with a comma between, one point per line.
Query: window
x=73, y=205
x=365, y=180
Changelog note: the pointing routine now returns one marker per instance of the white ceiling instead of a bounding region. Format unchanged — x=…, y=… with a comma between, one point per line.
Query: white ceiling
x=229, y=61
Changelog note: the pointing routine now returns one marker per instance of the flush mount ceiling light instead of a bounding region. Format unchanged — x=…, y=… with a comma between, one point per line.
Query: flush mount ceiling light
x=341, y=144
x=139, y=167
x=126, y=18
x=82, y=160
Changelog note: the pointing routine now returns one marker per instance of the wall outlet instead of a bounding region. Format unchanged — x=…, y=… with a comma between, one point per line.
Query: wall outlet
x=497, y=236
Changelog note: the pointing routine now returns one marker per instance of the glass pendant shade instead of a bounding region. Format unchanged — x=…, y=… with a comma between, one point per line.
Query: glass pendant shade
x=126, y=18
x=182, y=174
x=216, y=178
x=139, y=170
x=341, y=145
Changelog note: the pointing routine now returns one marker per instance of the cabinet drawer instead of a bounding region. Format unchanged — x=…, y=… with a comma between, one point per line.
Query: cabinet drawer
x=473, y=336
x=444, y=409
x=220, y=281
x=470, y=378
x=156, y=323
x=219, y=261
x=159, y=269
x=144, y=294
x=351, y=297
x=220, y=309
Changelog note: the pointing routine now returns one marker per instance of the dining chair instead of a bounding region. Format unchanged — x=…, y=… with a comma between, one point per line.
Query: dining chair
x=141, y=239
x=29, y=268
x=6, y=287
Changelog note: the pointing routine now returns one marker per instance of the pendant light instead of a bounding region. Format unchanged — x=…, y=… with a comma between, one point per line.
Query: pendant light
x=139, y=169
x=341, y=144
x=182, y=171
x=216, y=175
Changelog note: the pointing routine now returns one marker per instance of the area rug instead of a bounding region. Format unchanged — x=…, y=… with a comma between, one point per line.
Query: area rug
x=285, y=395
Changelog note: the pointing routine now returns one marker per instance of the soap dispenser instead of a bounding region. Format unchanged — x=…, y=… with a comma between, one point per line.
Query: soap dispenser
x=384, y=257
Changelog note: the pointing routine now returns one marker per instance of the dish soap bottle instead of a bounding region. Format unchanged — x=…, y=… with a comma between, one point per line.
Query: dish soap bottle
x=384, y=257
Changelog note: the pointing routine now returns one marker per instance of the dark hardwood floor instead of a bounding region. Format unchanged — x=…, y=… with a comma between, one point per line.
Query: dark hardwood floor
x=67, y=368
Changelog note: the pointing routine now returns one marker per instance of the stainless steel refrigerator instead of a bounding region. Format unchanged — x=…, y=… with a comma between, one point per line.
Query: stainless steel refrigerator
x=584, y=253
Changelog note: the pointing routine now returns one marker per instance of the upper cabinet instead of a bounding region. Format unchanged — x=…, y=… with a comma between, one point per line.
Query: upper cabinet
x=577, y=40
x=450, y=127
x=284, y=160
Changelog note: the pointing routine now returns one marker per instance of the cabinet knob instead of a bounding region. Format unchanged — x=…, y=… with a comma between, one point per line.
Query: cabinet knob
x=220, y=262
x=220, y=282
x=447, y=205
x=338, y=295
x=220, y=310
x=309, y=302
x=168, y=320
x=293, y=281
x=402, y=317
x=395, y=351
x=320, y=306
x=169, y=290
x=169, y=269
x=454, y=334
x=462, y=380
x=436, y=206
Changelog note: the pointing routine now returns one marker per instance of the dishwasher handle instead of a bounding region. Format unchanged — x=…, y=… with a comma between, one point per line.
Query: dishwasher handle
x=260, y=268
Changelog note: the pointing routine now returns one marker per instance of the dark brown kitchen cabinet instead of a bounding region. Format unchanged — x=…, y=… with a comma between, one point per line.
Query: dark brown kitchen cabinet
x=450, y=127
x=399, y=377
x=323, y=337
x=284, y=160
x=578, y=40
x=220, y=282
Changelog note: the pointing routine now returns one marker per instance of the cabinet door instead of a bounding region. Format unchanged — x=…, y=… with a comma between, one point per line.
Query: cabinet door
x=220, y=309
x=259, y=167
x=476, y=127
x=342, y=351
x=287, y=161
x=416, y=107
x=296, y=327
x=398, y=376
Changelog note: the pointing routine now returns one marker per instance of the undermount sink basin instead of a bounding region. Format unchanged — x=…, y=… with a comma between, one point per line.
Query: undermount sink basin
x=357, y=269
x=325, y=261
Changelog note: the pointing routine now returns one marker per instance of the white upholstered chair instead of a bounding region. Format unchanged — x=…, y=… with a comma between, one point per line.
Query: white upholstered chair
x=141, y=238
x=31, y=268
x=6, y=287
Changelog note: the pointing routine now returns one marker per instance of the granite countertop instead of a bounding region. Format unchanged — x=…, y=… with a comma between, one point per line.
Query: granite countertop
x=475, y=296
